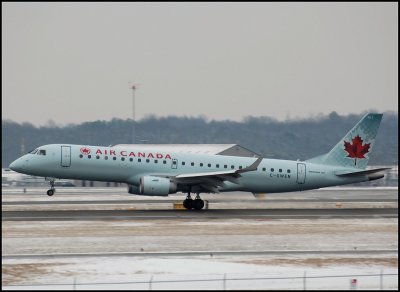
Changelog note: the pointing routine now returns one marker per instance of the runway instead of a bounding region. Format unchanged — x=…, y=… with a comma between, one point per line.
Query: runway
x=124, y=202
x=71, y=204
x=68, y=215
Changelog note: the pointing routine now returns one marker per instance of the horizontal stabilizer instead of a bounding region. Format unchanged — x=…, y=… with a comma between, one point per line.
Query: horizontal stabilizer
x=359, y=173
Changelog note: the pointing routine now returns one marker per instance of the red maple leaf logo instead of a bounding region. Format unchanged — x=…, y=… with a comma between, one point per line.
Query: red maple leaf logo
x=356, y=149
x=85, y=150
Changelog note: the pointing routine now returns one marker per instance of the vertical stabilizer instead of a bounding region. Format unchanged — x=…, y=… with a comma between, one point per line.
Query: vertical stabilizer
x=353, y=150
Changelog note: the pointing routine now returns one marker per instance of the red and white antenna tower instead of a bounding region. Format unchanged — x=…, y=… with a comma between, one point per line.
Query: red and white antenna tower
x=133, y=86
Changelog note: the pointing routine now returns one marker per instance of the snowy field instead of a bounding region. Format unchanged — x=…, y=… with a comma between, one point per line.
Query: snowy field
x=30, y=249
x=207, y=273
x=201, y=271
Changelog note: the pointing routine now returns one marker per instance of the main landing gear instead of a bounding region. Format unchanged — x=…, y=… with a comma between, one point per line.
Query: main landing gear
x=196, y=204
x=52, y=189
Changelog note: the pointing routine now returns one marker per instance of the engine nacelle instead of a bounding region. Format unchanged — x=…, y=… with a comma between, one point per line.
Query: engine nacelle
x=153, y=186
x=134, y=190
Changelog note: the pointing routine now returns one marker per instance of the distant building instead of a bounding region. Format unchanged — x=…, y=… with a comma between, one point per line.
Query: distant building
x=10, y=178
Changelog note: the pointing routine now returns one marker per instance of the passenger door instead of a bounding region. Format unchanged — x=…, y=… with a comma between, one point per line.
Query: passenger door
x=301, y=173
x=65, y=156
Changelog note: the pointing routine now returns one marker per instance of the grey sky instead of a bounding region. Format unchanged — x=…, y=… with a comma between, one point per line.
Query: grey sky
x=73, y=62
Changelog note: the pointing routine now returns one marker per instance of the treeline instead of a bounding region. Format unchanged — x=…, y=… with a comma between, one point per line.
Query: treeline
x=292, y=139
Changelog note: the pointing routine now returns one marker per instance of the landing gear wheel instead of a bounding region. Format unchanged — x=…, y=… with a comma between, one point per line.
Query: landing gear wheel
x=188, y=203
x=198, y=204
x=52, y=189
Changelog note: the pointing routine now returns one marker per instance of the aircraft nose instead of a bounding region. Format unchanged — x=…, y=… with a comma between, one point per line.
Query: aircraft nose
x=16, y=165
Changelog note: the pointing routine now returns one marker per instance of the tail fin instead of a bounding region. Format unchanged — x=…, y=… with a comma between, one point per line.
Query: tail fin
x=353, y=149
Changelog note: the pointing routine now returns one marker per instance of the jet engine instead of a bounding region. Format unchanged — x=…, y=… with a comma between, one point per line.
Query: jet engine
x=153, y=186
x=134, y=190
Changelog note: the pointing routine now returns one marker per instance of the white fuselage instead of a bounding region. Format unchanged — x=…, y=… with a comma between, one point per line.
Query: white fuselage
x=128, y=165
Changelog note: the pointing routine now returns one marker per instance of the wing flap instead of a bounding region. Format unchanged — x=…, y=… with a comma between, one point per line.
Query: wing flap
x=205, y=174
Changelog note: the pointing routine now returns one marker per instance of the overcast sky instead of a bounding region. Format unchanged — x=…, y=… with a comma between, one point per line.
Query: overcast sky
x=74, y=62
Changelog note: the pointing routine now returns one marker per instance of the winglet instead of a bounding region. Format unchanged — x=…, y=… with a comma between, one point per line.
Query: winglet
x=251, y=167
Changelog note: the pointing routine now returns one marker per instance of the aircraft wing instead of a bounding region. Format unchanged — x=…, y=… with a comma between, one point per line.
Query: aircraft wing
x=210, y=181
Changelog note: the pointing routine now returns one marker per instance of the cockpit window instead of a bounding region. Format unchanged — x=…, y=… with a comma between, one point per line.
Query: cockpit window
x=33, y=151
x=42, y=152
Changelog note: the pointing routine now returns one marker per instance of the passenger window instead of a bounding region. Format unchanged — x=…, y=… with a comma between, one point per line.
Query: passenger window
x=165, y=162
x=123, y=158
x=232, y=166
x=183, y=162
x=155, y=161
x=139, y=160
x=147, y=160
x=288, y=171
x=192, y=164
x=240, y=167
x=217, y=166
x=272, y=170
x=280, y=169
x=263, y=169
x=97, y=157
x=80, y=156
x=106, y=157
x=114, y=158
x=89, y=156
x=225, y=166
x=131, y=159
x=201, y=164
x=209, y=165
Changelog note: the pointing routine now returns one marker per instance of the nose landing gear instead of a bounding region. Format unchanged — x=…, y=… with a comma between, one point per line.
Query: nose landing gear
x=52, y=189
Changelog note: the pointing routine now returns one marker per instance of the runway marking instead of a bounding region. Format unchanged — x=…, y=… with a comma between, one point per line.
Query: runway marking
x=204, y=253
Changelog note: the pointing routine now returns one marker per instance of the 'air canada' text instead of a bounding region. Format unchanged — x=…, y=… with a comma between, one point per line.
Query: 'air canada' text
x=133, y=154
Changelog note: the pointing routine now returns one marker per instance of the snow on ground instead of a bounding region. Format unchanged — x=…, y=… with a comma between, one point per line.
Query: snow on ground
x=42, y=237
x=200, y=272
x=206, y=271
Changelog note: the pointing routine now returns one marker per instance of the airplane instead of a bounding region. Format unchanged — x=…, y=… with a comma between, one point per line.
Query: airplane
x=160, y=170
